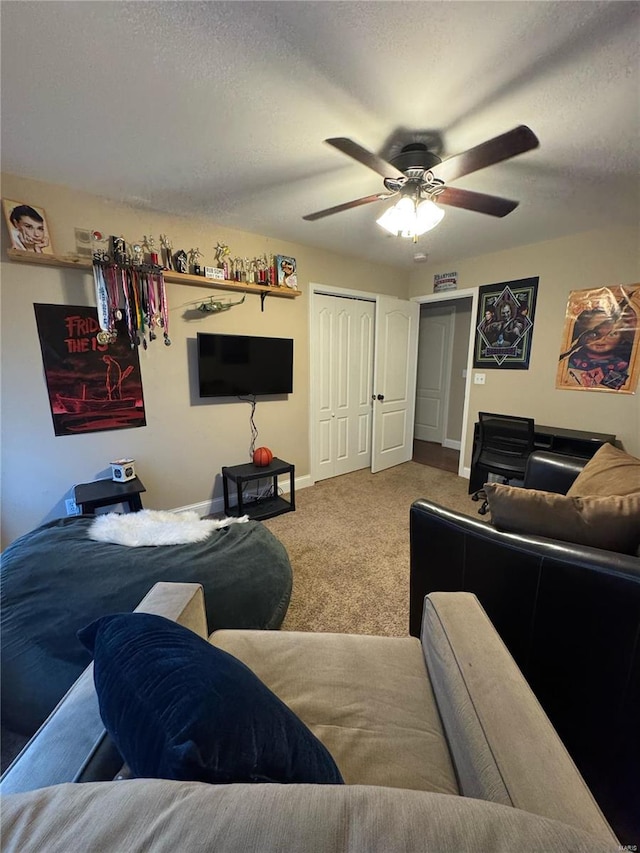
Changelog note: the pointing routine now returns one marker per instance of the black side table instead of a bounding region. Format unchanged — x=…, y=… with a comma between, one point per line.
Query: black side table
x=265, y=507
x=89, y=496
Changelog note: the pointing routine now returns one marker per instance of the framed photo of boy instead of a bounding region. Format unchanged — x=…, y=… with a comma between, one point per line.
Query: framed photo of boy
x=27, y=226
x=286, y=271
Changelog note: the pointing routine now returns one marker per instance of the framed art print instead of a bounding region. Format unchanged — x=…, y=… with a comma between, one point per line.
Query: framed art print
x=286, y=272
x=27, y=226
x=504, y=326
x=600, y=347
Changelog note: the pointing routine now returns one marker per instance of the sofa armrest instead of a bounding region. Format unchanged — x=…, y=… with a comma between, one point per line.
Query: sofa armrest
x=72, y=744
x=502, y=743
x=552, y=472
x=570, y=617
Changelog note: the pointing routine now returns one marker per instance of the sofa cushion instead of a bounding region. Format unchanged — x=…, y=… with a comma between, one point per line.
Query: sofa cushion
x=179, y=708
x=610, y=471
x=611, y=523
x=145, y=815
x=368, y=699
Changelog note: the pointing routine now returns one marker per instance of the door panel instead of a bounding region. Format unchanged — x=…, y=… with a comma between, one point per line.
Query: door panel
x=396, y=351
x=323, y=450
x=393, y=428
x=343, y=365
x=434, y=366
x=427, y=414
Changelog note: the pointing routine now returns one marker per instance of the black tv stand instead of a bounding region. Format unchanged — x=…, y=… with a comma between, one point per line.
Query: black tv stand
x=263, y=507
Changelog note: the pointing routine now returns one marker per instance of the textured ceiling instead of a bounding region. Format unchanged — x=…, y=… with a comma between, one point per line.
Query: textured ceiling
x=221, y=108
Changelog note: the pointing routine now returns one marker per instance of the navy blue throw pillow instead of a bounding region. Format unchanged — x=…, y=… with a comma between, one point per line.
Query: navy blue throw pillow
x=179, y=708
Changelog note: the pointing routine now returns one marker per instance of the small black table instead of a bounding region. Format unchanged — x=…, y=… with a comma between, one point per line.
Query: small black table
x=89, y=496
x=262, y=507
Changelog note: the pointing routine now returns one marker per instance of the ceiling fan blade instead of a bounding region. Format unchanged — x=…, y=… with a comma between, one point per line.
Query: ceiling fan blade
x=493, y=205
x=509, y=144
x=311, y=217
x=367, y=158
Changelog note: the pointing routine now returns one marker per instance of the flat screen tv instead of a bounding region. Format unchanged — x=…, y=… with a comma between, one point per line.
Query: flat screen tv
x=241, y=365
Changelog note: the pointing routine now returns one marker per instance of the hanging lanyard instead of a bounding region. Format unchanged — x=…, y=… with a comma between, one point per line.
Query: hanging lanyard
x=102, y=304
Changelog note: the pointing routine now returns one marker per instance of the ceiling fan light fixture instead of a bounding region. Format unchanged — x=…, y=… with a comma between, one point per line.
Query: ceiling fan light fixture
x=409, y=218
x=428, y=215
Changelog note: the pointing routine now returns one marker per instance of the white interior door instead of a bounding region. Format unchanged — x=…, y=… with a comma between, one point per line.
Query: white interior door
x=394, y=386
x=342, y=377
x=434, y=369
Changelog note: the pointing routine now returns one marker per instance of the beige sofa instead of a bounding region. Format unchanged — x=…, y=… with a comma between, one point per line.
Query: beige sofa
x=441, y=742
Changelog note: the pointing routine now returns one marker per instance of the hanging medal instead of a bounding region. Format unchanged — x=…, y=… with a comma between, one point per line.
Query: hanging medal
x=128, y=305
x=164, y=309
x=153, y=302
x=111, y=273
x=102, y=304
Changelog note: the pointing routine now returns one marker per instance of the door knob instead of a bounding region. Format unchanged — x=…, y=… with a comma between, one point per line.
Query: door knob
x=380, y=396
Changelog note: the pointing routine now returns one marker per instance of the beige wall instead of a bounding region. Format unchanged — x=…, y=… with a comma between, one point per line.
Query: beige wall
x=180, y=452
x=587, y=260
x=187, y=440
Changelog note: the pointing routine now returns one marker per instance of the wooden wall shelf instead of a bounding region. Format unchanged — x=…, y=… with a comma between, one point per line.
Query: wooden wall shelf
x=71, y=262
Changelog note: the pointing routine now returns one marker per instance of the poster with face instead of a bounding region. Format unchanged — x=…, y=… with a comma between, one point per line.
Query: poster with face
x=27, y=226
x=504, y=326
x=600, y=349
x=92, y=386
x=286, y=269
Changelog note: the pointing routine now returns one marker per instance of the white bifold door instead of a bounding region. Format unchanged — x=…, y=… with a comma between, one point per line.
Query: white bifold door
x=341, y=382
x=363, y=379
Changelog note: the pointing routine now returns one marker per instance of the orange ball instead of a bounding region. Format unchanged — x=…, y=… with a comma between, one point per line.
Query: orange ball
x=262, y=457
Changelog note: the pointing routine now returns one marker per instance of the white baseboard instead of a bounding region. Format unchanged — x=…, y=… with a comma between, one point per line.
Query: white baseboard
x=217, y=504
x=450, y=443
x=466, y=472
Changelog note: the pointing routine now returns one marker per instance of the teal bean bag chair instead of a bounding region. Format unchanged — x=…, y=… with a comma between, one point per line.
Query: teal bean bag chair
x=55, y=580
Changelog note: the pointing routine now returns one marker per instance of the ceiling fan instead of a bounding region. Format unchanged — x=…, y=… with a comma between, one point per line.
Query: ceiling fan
x=418, y=175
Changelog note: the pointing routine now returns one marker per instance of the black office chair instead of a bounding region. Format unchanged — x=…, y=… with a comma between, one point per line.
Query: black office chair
x=504, y=445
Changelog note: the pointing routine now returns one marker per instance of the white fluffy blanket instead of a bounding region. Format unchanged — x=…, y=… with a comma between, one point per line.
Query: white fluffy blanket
x=155, y=527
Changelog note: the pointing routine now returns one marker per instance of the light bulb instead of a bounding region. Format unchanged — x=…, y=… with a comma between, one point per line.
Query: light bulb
x=428, y=215
x=406, y=219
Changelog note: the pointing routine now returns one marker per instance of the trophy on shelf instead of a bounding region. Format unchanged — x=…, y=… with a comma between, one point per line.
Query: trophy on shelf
x=262, y=270
x=222, y=253
x=118, y=250
x=137, y=254
x=180, y=261
x=167, y=251
x=149, y=247
x=194, y=261
x=238, y=269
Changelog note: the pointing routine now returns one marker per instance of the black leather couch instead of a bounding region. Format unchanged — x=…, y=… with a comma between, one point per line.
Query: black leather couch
x=569, y=615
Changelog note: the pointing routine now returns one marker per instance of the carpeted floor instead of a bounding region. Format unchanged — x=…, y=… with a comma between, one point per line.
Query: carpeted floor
x=348, y=542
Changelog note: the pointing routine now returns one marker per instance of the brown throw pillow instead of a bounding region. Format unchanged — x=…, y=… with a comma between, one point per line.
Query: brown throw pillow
x=612, y=523
x=609, y=472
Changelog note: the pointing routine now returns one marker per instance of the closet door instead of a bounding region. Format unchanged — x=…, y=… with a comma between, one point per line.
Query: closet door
x=342, y=365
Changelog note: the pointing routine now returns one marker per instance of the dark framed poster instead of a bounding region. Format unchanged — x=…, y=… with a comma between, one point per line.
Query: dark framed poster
x=504, y=325
x=92, y=386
